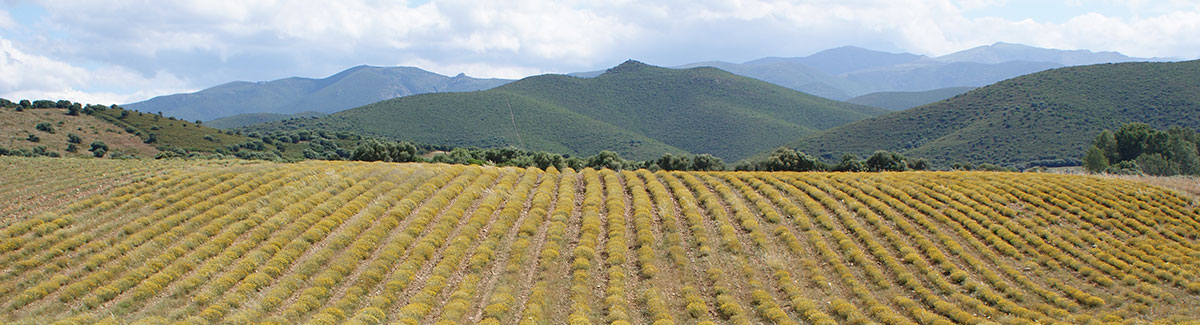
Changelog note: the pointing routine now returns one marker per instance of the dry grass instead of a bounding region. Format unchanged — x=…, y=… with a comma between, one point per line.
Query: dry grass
x=15, y=128
x=1185, y=184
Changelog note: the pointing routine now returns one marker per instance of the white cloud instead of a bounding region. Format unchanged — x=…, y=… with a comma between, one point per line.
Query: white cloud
x=6, y=20
x=31, y=76
x=185, y=44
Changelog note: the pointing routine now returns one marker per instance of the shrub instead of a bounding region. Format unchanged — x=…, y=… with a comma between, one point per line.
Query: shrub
x=44, y=127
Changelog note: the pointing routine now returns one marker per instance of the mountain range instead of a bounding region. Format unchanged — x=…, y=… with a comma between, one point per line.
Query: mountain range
x=353, y=87
x=639, y=111
x=840, y=73
x=846, y=72
x=1045, y=118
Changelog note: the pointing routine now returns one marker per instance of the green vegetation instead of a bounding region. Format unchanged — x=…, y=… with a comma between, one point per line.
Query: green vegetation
x=786, y=159
x=242, y=120
x=1043, y=119
x=44, y=127
x=902, y=100
x=1137, y=148
x=635, y=110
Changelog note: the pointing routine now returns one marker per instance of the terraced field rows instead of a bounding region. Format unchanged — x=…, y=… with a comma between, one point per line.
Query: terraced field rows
x=368, y=243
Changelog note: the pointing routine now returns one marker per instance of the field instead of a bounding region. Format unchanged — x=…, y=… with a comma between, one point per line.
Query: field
x=342, y=242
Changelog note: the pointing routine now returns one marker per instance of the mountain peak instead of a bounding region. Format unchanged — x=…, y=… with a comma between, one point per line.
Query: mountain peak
x=628, y=66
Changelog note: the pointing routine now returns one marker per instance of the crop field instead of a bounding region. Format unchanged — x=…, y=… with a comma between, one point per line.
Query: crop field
x=368, y=243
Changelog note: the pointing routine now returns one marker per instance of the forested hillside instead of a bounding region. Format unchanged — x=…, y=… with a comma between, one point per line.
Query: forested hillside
x=637, y=110
x=1046, y=118
x=902, y=100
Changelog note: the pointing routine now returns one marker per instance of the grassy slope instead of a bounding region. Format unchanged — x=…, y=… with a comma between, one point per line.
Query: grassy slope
x=15, y=128
x=1048, y=115
x=753, y=246
x=638, y=110
x=174, y=132
x=902, y=100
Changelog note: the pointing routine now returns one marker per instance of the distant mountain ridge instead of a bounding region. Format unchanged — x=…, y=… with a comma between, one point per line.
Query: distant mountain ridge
x=1045, y=118
x=637, y=110
x=839, y=73
x=902, y=100
x=846, y=72
x=350, y=88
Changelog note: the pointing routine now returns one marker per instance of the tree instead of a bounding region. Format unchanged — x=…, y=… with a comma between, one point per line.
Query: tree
x=672, y=162
x=545, y=160
x=918, y=164
x=1095, y=160
x=606, y=159
x=793, y=160
x=707, y=162
x=849, y=163
x=73, y=110
x=1135, y=139
x=1155, y=164
x=883, y=160
x=1183, y=155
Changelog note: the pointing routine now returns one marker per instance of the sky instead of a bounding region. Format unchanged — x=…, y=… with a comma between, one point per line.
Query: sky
x=123, y=51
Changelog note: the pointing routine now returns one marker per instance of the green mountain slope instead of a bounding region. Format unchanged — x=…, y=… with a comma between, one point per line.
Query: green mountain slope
x=902, y=100
x=350, y=88
x=240, y=120
x=1050, y=115
x=637, y=110
x=789, y=74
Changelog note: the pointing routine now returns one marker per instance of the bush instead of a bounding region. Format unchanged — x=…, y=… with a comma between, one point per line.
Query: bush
x=99, y=148
x=45, y=127
x=886, y=161
x=33, y=138
x=74, y=138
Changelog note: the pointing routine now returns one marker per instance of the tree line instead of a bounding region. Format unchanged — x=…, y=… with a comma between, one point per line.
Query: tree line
x=1137, y=148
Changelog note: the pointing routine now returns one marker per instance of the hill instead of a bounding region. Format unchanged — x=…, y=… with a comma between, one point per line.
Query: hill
x=637, y=110
x=1001, y=52
x=350, y=88
x=241, y=120
x=790, y=75
x=847, y=72
x=63, y=128
x=902, y=100
x=18, y=128
x=935, y=75
x=333, y=242
x=1046, y=116
x=845, y=59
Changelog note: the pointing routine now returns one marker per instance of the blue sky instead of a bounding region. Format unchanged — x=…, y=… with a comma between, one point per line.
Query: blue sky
x=122, y=51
